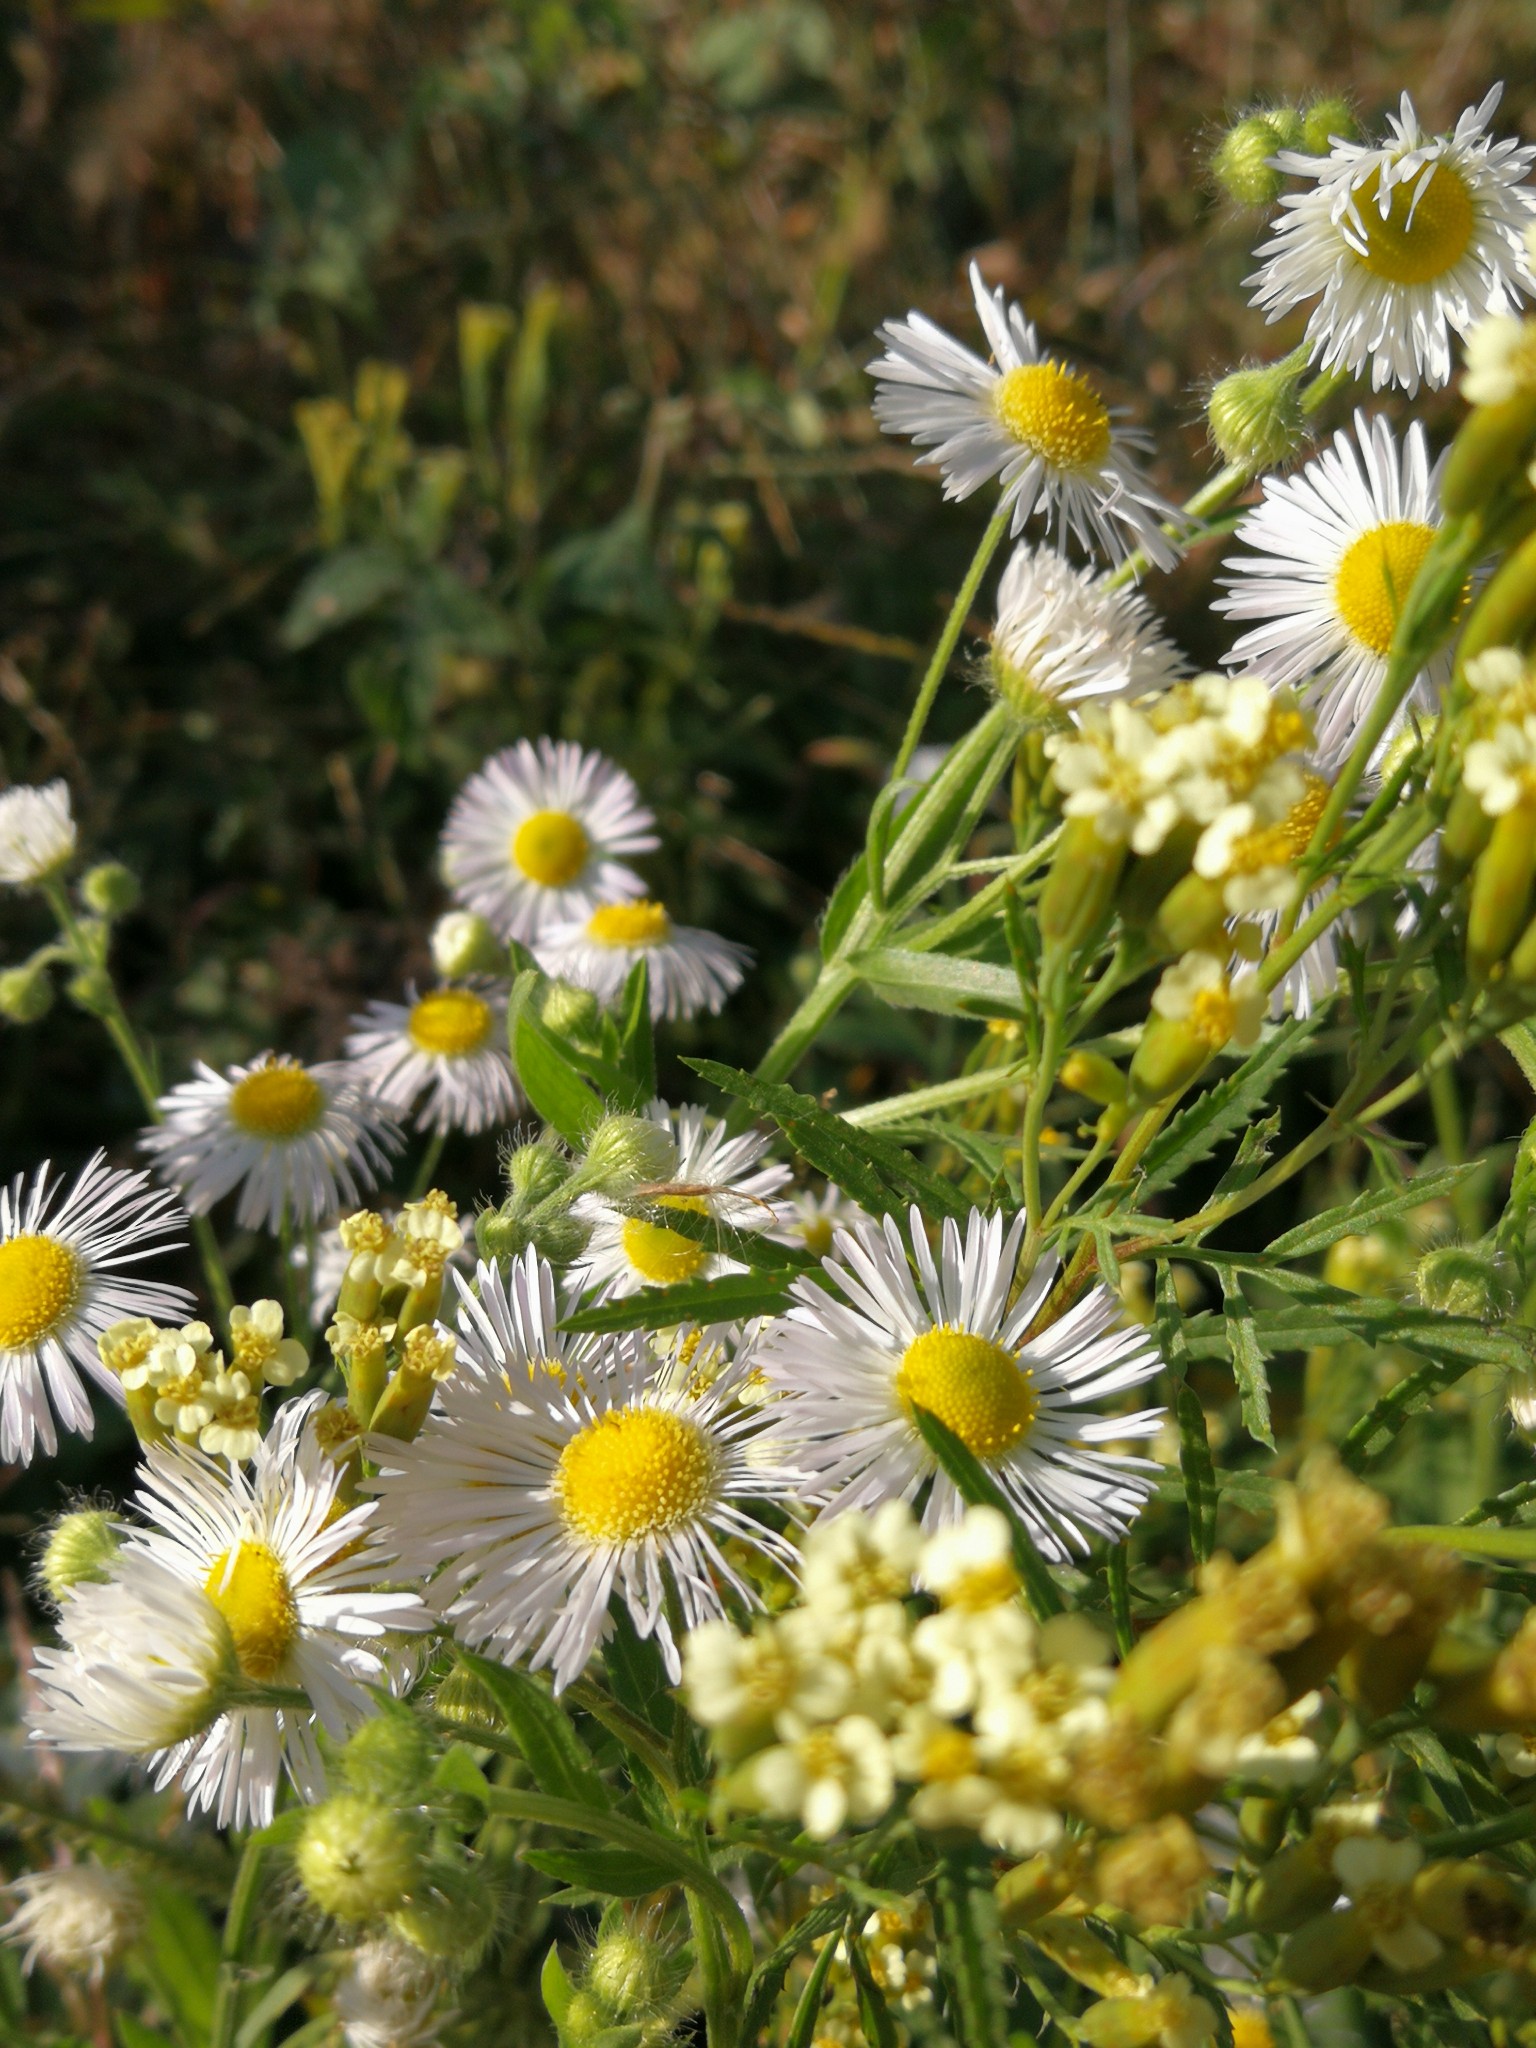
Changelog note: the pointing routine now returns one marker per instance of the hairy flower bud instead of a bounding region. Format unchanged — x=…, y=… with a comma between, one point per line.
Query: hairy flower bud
x=1458, y=1282
x=570, y=1012
x=1255, y=415
x=1240, y=163
x=630, y=1975
x=80, y=1549
x=463, y=943
x=388, y=1758
x=625, y=1153
x=26, y=993
x=1325, y=121
x=533, y=1173
x=110, y=889
x=358, y=1858
x=449, y=1915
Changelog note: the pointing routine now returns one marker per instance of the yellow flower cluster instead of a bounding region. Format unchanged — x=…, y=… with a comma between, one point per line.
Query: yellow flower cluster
x=177, y=1384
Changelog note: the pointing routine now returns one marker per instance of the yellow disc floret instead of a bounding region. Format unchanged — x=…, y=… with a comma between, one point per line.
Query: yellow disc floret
x=1422, y=236
x=450, y=1022
x=277, y=1102
x=39, y=1286
x=660, y=1255
x=550, y=848
x=250, y=1589
x=1374, y=577
x=1055, y=414
x=630, y=924
x=634, y=1472
x=1213, y=1016
x=975, y=1387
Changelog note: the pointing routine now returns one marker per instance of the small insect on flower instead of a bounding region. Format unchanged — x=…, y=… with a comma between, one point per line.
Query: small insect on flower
x=37, y=833
x=63, y=1284
x=539, y=834
x=448, y=1046
x=552, y=1474
x=298, y=1141
x=1036, y=424
x=1402, y=243
x=852, y=1371
x=689, y=969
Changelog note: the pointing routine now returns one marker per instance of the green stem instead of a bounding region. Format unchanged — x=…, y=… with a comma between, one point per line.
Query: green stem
x=1212, y=497
x=1034, y=1118
x=237, y=1932
x=959, y=612
x=970, y=1949
x=833, y=987
x=429, y=1164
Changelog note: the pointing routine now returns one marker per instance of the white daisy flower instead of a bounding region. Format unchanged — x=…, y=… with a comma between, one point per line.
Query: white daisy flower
x=551, y=1476
x=388, y=1997
x=1025, y=418
x=1402, y=243
x=690, y=969
x=37, y=833
x=62, y=1284
x=304, y=1609
x=77, y=1917
x=1064, y=635
x=449, y=1045
x=295, y=1139
x=810, y=1220
x=716, y=1175
x=1335, y=549
x=535, y=837
x=851, y=1371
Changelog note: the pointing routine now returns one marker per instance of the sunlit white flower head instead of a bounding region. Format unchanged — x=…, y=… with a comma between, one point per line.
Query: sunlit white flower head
x=716, y=1176
x=1333, y=553
x=65, y=1277
x=77, y=1917
x=549, y=1478
x=448, y=1046
x=1025, y=418
x=302, y=1139
x=1500, y=358
x=388, y=1997
x=37, y=833
x=851, y=1370
x=689, y=969
x=1064, y=636
x=1402, y=243
x=809, y=1219
x=539, y=834
x=267, y=1549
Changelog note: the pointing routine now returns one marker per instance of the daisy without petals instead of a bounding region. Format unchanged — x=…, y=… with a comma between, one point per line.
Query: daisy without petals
x=716, y=1175
x=1063, y=635
x=545, y=1482
x=63, y=1282
x=537, y=837
x=302, y=1140
x=1038, y=426
x=689, y=969
x=852, y=1370
x=449, y=1046
x=1335, y=549
x=1401, y=243
x=37, y=833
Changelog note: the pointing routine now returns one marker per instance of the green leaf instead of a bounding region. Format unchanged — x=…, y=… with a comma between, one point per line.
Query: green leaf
x=975, y=1485
x=841, y=906
x=637, y=1042
x=1251, y=1157
x=613, y=1873
x=181, y=1953
x=274, y=2002
x=731, y=1298
x=344, y=587
x=879, y=1174
x=880, y=2029
x=132, y=2033
x=971, y=1948
x=1248, y=1367
x=549, y=1080
x=1199, y=1475
x=802, y=2027
x=1376, y=1206
x=1233, y=1103
x=637, y=1675
x=937, y=982
x=539, y=1726
x=767, y=1979
x=555, y=1987
x=1505, y=1546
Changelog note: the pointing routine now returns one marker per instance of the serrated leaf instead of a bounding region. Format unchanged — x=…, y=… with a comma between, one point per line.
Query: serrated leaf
x=1225, y=1108
x=733, y=1297
x=1248, y=1367
x=1252, y=1154
x=344, y=587
x=539, y=1726
x=802, y=2027
x=1376, y=1206
x=1199, y=1475
x=879, y=2028
x=767, y=1979
x=937, y=982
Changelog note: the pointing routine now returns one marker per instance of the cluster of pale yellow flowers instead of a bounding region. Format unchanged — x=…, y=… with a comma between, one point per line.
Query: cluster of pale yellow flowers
x=384, y=1336
x=177, y=1383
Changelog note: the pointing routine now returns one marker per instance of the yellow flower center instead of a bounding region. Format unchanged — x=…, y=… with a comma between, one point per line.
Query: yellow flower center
x=277, y=1102
x=987, y=1586
x=1374, y=578
x=633, y=1473
x=39, y=1285
x=1055, y=414
x=817, y=1236
x=1278, y=845
x=1212, y=1017
x=948, y=1753
x=251, y=1590
x=450, y=1022
x=1415, y=244
x=974, y=1386
x=664, y=1256
x=630, y=924
x=1250, y=2029
x=550, y=848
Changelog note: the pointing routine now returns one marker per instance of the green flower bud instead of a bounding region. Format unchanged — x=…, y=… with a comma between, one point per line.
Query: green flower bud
x=631, y=1976
x=1090, y=1074
x=91, y=988
x=1467, y=831
x=533, y=1173
x=26, y=994
x=1169, y=1056
x=1080, y=888
x=1241, y=163
x=111, y=890
x=80, y=1550
x=1457, y=1282
x=1502, y=882
x=1261, y=1824
x=1367, y=1264
x=463, y=943
x=357, y=1858
x=1255, y=415
x=586, y=2024
x=1295, y=1884
x=450, y=1914
x=1192, y=918
x=625, y=1153
x=1322, y=121
x=500, y=1235
x=570, y=1012
x=388, y=1758
x=1150, y=876
x=1327, y=1951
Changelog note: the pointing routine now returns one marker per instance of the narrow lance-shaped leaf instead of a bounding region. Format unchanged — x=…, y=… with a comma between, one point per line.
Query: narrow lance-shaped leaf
x=1248, y=1367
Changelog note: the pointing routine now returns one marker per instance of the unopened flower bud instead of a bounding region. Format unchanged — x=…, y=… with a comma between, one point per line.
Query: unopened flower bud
x=388, y=1758
x=91, y=988
x=625, y=1153
x=1080, y=887
x=632, y=1976
x=110, y=889
x=450, y=1915
x=586, y=2023
x=26, y=994
x=570, y=1012
x=80, y=1549
x=1293, y=1885
x=463, y=1698
x=1324, y=122
x=1466, y=832
x=463, y=943
x=358, y=1858
x=1367, y=1264
x=1149, y=876
x=1329, y=1950
x=1241, y=162
x=1255, y=416
x=533, y=1173
x=1502, y=882
x=1458, y=1282
x=1192, y=917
